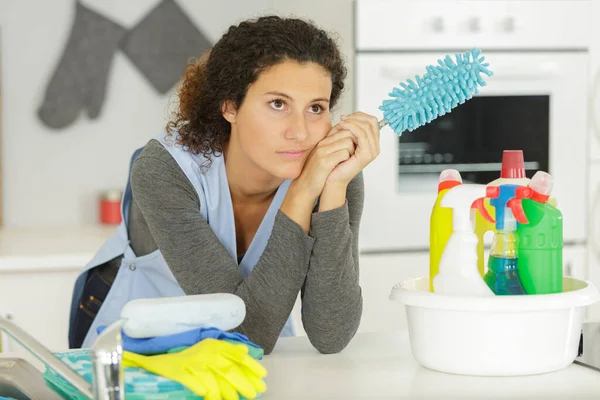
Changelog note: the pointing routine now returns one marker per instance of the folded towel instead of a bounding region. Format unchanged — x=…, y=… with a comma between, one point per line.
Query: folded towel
x=162, y=344
x=139, y=383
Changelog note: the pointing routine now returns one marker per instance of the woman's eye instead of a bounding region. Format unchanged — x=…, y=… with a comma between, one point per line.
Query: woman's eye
x=316, y=108
x=277, y=104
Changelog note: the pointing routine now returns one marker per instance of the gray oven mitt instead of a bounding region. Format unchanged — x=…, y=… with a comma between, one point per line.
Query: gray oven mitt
x=80, y=78
x=162, y=43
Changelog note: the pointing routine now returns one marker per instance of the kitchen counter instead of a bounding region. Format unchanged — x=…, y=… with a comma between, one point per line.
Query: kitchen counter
x=381, y=366
x=50, y=248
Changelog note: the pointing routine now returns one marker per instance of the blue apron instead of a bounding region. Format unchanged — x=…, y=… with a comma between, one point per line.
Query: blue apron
x=149, y=276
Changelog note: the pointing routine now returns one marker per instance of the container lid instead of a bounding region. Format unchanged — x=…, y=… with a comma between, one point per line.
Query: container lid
x=449, y=178
x=114, y=195
x=542, y=184
x=513, y=164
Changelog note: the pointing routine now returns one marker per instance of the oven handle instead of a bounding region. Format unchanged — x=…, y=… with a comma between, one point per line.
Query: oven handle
x=594, y=100
x=397, y=75
x=593, y=233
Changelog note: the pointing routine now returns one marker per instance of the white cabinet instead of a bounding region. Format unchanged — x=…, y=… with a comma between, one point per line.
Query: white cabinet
x=593, y=270
x=575, y=262
x=594, y=120
x=378, y=274
x=39, y=303
x=593, y=255
x=38, y=268
x=594, y=85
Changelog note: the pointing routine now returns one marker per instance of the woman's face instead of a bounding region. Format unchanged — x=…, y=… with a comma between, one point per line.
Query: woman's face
x=284, y=115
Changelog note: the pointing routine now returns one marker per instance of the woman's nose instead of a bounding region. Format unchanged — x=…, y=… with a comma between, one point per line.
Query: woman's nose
x=297, y=129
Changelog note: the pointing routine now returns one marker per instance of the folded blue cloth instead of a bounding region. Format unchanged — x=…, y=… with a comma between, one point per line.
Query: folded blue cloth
x=139, y=383
x=162, y=344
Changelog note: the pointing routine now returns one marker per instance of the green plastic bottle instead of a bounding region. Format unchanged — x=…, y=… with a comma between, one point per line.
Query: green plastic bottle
x=541, y=240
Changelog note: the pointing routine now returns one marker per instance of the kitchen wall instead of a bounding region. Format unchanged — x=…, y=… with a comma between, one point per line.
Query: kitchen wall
x=53, y=177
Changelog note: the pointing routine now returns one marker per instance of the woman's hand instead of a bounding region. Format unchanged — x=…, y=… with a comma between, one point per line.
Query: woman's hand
x=335, y=148
x=365, y=131
x=299, y=201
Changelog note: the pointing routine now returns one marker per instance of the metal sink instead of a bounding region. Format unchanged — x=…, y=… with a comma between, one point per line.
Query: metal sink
x=20, y=380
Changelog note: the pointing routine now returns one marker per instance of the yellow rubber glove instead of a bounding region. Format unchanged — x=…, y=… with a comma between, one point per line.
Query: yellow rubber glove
x=212, y=368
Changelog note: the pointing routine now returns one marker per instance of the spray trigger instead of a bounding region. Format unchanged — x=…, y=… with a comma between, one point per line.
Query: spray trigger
x=517, y=210
x=491, y=192
x=516, y=206
x=479, y=205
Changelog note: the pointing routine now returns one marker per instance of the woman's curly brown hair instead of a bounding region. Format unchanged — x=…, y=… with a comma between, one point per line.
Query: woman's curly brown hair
x=234, y=63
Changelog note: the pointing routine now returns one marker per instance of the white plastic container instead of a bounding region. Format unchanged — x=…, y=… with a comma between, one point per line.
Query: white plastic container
x=498, y=335
x=163, y=316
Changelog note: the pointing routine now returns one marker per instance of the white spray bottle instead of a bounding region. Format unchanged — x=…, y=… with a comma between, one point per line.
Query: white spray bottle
x=458, y=273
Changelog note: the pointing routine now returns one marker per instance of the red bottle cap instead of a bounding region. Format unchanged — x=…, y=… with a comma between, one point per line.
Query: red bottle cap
x=513, y=164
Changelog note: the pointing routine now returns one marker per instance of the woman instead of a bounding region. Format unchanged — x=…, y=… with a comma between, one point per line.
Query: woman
x=250, y=191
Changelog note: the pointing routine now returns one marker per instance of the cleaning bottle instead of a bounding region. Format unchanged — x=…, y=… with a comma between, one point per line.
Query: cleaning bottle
x=458, y=274
x=440, y=222
x=541, y=240
x=502, y=275
x=512, y=172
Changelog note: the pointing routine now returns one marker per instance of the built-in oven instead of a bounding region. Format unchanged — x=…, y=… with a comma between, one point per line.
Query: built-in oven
x=536, y=101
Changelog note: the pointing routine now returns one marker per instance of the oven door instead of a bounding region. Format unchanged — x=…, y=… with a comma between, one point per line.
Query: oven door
x=535, y=102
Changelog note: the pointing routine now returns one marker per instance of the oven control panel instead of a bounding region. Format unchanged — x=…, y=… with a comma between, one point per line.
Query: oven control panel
x=388, y=25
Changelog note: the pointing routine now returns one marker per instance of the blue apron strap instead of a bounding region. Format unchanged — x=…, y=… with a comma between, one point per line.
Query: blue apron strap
x=126, y=201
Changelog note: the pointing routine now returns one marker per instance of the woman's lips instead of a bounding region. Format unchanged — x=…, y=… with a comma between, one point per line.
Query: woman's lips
x=292, y=155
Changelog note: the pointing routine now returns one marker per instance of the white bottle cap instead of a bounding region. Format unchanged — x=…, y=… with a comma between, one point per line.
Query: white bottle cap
x=450, y=175
x=542, y=182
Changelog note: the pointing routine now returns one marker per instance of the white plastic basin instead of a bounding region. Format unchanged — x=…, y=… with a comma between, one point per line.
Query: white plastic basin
x=496, y=335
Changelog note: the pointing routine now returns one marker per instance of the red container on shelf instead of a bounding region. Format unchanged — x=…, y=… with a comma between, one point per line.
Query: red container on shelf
x=110, y=207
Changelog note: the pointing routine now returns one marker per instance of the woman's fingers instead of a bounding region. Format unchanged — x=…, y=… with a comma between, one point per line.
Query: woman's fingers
x=342, y=133
x=370, y=124
x=364, y=150
x=343, y=143
x=334, y=129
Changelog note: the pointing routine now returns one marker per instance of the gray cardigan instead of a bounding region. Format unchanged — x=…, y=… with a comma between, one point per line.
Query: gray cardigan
x=322, y=266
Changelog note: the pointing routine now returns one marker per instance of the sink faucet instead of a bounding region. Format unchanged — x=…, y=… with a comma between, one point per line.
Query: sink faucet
x=106, y=354
x=107, y=364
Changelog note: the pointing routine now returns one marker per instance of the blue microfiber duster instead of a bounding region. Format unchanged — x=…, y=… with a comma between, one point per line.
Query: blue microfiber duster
x=436, y=93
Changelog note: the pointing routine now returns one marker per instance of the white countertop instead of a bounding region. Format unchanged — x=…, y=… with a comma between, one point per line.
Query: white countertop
x=381, y=366
x=34, y=249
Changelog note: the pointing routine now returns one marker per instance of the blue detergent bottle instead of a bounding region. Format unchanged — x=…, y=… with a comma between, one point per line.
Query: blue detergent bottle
x=502, y=276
